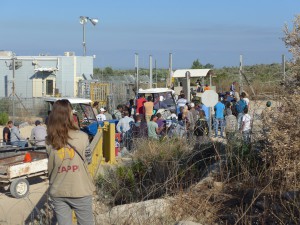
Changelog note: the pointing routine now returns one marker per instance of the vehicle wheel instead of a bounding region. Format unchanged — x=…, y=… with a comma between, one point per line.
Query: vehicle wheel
x=19, y=188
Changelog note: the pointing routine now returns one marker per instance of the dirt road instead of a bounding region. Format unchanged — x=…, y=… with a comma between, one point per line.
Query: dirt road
x=15, y=211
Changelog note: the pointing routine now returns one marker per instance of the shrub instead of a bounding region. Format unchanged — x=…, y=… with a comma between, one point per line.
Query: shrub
x=158, y=168
x=3, y=118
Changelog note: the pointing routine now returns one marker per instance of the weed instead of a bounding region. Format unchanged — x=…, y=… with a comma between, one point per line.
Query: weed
x=3, y=118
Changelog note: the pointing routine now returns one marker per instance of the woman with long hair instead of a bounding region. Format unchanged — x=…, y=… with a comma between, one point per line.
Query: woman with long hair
x=70, y=184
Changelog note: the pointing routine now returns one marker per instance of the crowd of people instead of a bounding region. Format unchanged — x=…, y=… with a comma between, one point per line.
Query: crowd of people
x=139, y=119
x=190, y=119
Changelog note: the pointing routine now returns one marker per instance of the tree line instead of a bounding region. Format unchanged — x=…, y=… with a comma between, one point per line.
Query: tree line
x=262, y=72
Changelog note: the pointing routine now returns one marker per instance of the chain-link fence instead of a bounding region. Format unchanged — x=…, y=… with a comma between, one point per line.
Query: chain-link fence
x=111, y=91
x=22, y=108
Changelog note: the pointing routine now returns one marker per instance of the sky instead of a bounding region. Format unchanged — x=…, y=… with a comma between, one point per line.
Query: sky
x=214, y=31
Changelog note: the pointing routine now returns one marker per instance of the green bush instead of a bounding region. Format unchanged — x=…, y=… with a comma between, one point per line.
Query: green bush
x=157, y=168
x=3, y=118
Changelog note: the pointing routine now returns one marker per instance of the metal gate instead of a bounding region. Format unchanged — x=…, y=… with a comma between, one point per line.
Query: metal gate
x=99, y=92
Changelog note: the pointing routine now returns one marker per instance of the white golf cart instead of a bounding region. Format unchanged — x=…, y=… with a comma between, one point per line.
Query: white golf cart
x=163, y=98
x=82, y=111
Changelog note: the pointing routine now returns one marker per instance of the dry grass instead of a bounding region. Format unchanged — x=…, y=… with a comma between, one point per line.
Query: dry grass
x=283, y=155
x=264, y=182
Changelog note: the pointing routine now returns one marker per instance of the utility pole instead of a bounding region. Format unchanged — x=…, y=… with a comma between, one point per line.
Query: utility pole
x=241, y=75
x=150, y=71
x=170, y=70
x=155, y=72
x=12, y=67
x=137, y=71
x=13, y=86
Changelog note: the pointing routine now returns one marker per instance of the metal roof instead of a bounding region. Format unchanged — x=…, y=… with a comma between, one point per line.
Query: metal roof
x=45, y=69
x=71, y=100
x=155, y=90
x=194, y=73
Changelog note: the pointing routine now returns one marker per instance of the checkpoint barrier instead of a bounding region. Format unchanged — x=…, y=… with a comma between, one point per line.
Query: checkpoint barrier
x=104, y=146
x=97, y=154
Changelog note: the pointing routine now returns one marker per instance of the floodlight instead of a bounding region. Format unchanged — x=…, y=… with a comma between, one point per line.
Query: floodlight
x=94, y=21
x=83, y=20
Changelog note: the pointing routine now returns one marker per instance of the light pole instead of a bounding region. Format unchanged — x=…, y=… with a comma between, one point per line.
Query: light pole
x=83, y=21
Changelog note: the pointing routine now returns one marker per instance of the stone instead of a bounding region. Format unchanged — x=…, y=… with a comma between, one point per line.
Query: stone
x=186, y=222
x=135, y=213
x=218, y=185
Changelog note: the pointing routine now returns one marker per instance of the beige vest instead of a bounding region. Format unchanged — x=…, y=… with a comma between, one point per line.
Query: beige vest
x=68, y=174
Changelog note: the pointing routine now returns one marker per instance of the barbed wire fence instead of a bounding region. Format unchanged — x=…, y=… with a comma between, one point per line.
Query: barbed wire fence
x=23, y=109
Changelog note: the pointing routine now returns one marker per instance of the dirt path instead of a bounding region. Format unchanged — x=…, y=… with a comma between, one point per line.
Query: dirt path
x=15, y=211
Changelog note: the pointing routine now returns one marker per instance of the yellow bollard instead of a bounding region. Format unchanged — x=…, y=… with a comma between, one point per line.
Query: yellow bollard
x=109, y=134
x=97, y=154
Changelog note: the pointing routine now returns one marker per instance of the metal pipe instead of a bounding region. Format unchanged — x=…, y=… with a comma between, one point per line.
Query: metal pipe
x=83, y=41
x=13, y=86
x=150, y=71
x=188, y=85
x=170, y=70
x=137, y=70
x=155, y=72
x=241, y=75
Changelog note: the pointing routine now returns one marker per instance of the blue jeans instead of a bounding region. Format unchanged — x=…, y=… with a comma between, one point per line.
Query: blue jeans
x=219, y=122
x=246, y=136
x=21, y=144
x=239, y=120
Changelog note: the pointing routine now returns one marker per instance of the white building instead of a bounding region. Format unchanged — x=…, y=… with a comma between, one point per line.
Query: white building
x=43, y=76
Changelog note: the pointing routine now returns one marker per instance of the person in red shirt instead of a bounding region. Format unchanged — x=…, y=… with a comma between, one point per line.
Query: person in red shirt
x=140, y=104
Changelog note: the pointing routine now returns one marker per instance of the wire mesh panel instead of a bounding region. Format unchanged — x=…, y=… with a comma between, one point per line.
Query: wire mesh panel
x=99, y=92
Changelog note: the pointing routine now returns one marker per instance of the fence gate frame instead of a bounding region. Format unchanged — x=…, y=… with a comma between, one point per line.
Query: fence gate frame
x=99, y=92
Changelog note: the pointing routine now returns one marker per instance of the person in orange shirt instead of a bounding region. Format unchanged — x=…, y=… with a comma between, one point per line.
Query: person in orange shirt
x=206, y=87
x=148, y=108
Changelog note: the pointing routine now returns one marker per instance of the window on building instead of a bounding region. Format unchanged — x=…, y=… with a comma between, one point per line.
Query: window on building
x=49, y=87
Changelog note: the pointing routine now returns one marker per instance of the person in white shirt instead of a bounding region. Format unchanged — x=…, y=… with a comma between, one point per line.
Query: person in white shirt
x=124, y=124
x=124, y=127
x=101, y=117
x=244, y=96
x=246, y=126
x=15, y=137
x=38, y=134
x=181, y=102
